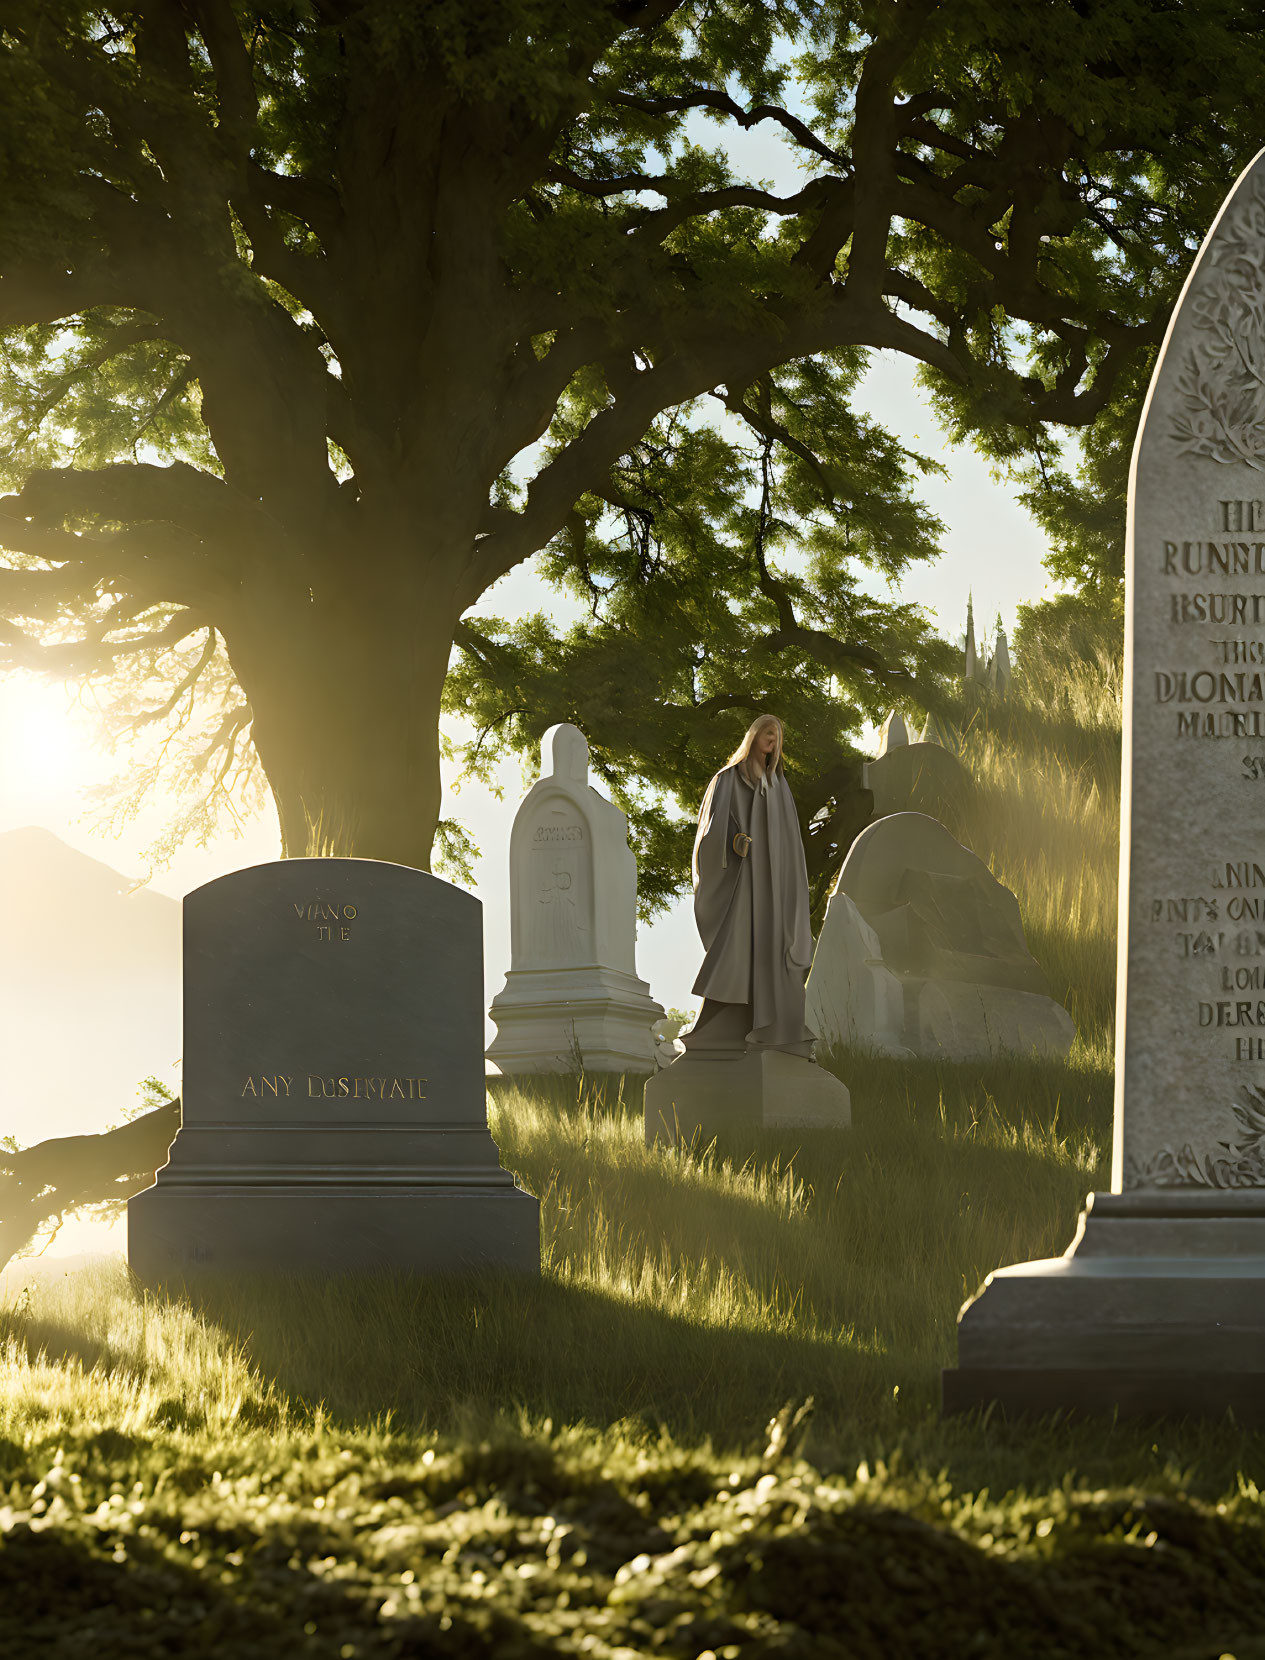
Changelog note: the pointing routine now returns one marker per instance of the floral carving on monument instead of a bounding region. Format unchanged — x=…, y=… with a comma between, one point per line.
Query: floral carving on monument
x=1222, y=385
x=1238, y=1163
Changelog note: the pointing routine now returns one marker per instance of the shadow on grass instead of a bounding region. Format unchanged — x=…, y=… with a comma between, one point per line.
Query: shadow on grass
x=487, y=1360
x=432, y=1352
x=705, y=1317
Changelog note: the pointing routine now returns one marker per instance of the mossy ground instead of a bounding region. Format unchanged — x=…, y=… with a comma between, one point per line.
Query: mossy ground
x=613, y=1461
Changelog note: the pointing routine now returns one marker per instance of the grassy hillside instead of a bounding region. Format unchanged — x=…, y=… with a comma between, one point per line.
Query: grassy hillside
x=620, y=1460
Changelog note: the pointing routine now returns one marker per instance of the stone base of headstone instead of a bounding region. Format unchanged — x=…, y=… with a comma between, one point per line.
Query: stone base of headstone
x=765, y=1089
x=574, y=1020
x=183, y=1231
x=956, y=1020
x=1158, y=1306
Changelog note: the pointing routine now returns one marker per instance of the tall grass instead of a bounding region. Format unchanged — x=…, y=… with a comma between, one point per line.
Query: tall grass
x=1045, y=816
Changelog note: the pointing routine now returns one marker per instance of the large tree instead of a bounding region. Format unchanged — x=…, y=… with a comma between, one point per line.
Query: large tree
x=321, y=315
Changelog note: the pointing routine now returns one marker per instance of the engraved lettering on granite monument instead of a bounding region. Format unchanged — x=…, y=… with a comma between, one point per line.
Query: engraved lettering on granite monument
x=1158, y=1304
x=1208, y=683
x=327, y=918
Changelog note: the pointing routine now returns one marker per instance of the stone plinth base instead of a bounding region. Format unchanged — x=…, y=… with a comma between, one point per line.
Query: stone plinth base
x=178, y=1231
x=765, y=1089
x=573, y=1020
x=1158, y=1305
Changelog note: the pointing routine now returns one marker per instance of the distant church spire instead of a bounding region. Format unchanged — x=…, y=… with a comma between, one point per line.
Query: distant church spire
x=968, y=672
x=1000, y=665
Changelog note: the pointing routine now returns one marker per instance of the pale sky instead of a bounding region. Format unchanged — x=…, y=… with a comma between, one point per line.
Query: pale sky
x=50, y=752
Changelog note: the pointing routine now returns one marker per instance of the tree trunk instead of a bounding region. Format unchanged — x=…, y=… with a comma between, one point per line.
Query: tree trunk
x=346, y=702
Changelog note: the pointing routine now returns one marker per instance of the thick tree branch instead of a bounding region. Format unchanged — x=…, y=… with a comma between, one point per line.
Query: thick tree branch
x=710, y=98
x=87, y=656
x=140, y=492
x=714, y=355
x=875, y=129
x=45, y=1182
x=187, y=537
x=762, y=421
x=232, y=66
x=186, y=684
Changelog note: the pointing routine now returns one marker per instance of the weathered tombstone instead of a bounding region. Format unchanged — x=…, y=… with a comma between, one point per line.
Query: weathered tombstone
x=1159, y=1302
x=952, y=935
x=851, y=997
x=918, y=778
x=572, y=1000
x=334, y=1114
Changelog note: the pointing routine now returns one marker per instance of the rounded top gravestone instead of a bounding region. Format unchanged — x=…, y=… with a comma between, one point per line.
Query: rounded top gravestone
x=321, y=986
x=573, y=878
x=334, y=1111
x=937, y=908
x=568, y=749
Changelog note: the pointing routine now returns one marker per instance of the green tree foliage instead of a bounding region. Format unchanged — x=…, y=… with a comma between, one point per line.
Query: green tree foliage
x=692, y=626
x=319, y=316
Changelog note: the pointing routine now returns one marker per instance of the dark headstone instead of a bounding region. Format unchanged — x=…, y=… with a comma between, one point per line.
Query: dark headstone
x=335, y=1113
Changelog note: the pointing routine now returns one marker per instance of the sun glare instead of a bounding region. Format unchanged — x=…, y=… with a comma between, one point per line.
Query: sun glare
x=44, y=747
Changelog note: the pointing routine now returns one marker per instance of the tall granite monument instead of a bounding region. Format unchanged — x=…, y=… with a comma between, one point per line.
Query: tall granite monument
x=572, y=998
x=334, y=1111
x=1159, y=1302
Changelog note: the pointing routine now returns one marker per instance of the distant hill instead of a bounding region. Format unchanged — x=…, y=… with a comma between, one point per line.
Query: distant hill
x=89, y=988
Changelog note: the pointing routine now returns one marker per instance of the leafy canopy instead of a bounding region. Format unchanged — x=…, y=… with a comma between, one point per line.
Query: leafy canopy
x=316, y=319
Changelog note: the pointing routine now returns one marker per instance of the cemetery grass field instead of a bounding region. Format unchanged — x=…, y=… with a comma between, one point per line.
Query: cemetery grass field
x=621, y=1460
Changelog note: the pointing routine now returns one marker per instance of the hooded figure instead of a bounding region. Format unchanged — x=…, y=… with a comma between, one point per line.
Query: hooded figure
x=751, y=905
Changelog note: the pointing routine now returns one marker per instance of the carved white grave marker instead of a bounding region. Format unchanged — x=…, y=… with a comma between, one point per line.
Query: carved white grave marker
x=572, y=997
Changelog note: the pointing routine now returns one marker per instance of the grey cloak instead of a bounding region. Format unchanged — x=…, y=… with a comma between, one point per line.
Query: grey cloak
x=752, y=916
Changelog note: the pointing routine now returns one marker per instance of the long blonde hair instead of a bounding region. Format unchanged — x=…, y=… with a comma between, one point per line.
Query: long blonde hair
x=742, y=757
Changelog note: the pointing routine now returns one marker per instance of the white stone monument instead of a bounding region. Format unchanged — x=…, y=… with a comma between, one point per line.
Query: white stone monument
x=970, y=662
x=851, y=998
x=1159, y=1302
x=999, y=670
x=572, y=1000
